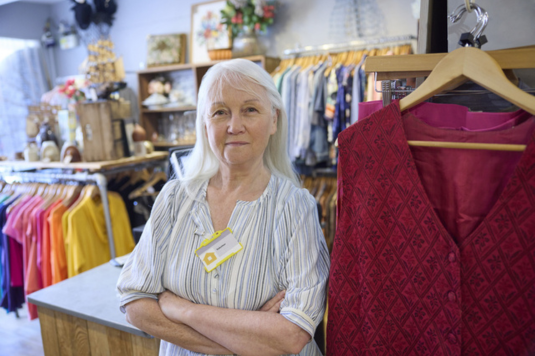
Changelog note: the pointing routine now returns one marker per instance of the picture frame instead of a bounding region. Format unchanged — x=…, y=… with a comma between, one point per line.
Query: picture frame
x=206, y=30
x=166, y=49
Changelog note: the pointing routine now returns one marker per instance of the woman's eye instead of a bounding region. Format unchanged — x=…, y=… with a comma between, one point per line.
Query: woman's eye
x=251, y=110
x=219, y=113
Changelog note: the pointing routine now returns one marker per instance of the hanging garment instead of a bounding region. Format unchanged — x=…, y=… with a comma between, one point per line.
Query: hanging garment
x=86, y=239
x=58, y=258
x=433, y=253
x=357, y=89
x=46, y=250
x=33, y=280
x=12, y=296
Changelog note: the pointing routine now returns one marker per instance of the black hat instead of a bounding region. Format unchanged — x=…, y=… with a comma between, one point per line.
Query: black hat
x=82, y=14
x=105, y=6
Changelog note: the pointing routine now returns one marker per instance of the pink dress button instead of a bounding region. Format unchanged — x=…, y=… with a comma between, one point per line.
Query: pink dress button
x=451, y=257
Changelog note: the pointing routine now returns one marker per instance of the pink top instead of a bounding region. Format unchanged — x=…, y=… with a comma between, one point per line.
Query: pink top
x=452, y=117
x=33, y=281
x=9, y=228
x=21, y=225
x=16, y=261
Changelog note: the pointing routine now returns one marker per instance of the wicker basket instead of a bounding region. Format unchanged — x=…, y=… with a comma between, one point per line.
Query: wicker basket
x=220, y=54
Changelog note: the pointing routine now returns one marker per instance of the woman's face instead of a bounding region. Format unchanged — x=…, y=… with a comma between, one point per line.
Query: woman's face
x=239, y=124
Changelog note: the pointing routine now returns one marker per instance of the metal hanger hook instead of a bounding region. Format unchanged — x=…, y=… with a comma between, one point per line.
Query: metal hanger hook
x=482, y=17
x=467, y=5
x=477, y=31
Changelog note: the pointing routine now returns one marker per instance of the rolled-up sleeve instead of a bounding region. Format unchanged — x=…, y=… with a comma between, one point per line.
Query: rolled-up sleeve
x=141, y=276
x=305, y=264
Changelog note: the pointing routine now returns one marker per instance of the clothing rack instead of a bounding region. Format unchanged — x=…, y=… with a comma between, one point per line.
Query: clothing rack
x=97, y=178
x=361, y=44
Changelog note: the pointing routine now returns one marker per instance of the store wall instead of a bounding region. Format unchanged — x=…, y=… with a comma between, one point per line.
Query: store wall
x=510, y=23
x=304, y=22
x=23, y=20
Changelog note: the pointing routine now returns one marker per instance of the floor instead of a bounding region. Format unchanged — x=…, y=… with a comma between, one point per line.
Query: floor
x=19, y=336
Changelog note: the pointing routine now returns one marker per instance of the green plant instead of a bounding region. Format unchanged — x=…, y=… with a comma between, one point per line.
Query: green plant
x=254, y=14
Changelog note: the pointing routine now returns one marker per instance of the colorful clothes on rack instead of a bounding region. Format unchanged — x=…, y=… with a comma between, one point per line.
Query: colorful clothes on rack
x=434, y=247
x=342, y=115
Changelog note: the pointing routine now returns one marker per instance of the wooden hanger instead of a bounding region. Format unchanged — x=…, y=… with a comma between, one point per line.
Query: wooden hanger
x=334, y=61
x=50, y=196
x=160, y=176
x=136, y=176
x=456, y=68
x=421, y=65
x=72, y=192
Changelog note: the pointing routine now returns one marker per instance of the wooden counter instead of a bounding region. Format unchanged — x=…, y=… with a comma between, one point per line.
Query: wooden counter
x=80, y=316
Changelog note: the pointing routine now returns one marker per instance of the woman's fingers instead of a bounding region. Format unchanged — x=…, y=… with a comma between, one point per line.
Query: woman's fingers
x=274, y=303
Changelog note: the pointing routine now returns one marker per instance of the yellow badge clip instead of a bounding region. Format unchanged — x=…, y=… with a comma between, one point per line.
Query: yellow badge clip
x=217, y=249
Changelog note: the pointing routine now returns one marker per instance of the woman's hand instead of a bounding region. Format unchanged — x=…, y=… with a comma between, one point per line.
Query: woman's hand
x=273, y=305
x=172, y=306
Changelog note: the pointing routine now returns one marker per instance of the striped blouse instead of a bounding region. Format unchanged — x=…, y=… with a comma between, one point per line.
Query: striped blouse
x=284, y=249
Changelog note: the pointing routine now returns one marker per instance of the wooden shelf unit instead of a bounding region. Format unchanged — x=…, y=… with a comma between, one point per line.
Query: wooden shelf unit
x=149, y=118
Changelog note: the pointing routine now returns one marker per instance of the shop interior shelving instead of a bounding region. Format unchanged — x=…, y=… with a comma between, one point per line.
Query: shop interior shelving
x=149, y=118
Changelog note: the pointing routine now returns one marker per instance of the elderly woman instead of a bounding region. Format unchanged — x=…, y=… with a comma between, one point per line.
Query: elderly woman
x=269, y=297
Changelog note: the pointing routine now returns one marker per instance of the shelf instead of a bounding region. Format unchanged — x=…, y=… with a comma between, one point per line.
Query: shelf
x=90, y=166
x=168, y=68
x=173, y=109
x=170, y=145
x=175, y=67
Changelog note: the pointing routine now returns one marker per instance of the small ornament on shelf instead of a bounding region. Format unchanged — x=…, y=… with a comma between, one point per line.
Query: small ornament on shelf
x=245, y=18
x=102, y=63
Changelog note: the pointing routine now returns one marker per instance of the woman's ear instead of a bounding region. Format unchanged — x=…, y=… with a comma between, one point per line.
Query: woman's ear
x=274, y=122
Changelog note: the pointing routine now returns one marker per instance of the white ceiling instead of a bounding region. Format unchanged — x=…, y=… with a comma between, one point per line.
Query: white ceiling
x=3, y=2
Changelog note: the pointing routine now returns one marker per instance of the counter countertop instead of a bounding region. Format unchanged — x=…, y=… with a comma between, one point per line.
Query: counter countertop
x=91, y=295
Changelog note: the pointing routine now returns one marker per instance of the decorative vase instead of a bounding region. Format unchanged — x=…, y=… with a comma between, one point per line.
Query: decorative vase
x=31, y=152
x=246, y=44
x=49, y=152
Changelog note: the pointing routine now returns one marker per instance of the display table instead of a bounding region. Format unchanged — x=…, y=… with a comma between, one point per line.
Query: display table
x=81, y=316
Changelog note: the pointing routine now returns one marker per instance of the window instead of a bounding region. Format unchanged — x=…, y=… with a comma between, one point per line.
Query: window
x=22, y=83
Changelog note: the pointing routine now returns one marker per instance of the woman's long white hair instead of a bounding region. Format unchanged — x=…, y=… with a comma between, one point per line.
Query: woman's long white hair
x=202, y=163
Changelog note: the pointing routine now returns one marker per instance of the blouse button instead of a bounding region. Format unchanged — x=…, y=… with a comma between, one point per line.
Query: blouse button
x=452, y=297
x=214, y=290
x=451, y=257
x=452, y=338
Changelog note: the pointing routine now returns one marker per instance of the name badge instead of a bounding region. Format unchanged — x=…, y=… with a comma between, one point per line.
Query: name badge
x=217, y=249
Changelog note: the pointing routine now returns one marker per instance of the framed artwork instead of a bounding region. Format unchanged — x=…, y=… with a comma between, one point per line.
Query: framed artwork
x=207, y=32
x=166, y=49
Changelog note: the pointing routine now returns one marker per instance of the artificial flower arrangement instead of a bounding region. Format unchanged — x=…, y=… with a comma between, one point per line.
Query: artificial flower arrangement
x=72, y=90
x=253, y=14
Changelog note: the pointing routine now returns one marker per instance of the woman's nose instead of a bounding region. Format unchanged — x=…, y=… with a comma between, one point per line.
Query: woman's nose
x=235, y=125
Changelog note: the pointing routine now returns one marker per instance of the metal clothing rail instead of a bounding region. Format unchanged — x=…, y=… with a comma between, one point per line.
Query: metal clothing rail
x=97, y=178
x=340, y=47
